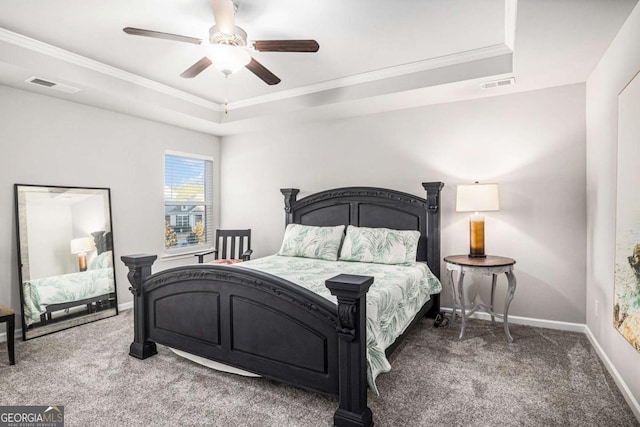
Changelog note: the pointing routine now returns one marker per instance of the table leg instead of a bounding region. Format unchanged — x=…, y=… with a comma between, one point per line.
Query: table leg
x=493, y=292
x=511, y=290
x=463, y=314
x=11, y=327
x=453, y=297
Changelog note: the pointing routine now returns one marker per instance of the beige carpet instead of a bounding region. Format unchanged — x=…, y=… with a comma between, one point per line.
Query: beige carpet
x=545, y=378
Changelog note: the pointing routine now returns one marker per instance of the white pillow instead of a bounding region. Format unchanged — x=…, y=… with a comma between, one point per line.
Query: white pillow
x=380, y=245
x=308, y=241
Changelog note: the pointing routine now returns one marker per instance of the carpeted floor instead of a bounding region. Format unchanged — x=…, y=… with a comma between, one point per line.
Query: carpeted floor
x=545, y=378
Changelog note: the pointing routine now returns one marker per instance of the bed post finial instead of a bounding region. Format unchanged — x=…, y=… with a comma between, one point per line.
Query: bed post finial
x=290, y=195
x=351, y=291
x=139, y=270
x=433, y=195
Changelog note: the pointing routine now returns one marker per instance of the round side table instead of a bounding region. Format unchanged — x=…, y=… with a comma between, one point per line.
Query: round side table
x=488, y=266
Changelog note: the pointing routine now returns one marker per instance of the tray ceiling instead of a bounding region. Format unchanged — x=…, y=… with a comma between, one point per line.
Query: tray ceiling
x=372, y=52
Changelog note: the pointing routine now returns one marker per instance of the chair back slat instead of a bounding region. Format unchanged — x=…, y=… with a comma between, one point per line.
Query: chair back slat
x=240, y=246
x=223, y=253
x=232, y=252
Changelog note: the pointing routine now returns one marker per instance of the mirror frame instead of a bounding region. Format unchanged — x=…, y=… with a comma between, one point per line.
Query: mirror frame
x=94, y=308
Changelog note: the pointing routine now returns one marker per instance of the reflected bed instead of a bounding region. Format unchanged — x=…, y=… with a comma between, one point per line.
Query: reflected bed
x=44, y=296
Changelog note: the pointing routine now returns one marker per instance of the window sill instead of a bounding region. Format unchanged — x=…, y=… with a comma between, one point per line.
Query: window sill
x=183, y=255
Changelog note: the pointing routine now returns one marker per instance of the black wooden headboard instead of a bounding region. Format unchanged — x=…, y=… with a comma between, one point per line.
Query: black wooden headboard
x=374, y=207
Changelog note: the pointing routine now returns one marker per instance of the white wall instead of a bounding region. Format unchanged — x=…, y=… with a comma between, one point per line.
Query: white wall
x=89, y=215
x=532, y=144
x=617, y=67
x=47, y=141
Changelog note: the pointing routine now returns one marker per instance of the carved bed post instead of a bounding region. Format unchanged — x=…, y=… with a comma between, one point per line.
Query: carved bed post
x=351, y=291
x=433, y=236
x=139, y=270
x=290, y=195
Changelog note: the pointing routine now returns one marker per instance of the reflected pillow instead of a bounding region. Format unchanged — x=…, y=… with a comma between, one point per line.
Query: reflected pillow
x=101, y=261
x=380, y=245
x=308, y=241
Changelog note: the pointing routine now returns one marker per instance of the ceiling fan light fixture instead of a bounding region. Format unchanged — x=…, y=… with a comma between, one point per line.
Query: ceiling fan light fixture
x=237, y=38
x=226, y=58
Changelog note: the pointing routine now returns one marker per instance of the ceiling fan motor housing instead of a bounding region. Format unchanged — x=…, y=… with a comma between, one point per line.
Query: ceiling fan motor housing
x=218, y=37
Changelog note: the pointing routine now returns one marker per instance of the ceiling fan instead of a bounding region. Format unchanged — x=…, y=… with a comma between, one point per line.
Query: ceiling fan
x=227, y=46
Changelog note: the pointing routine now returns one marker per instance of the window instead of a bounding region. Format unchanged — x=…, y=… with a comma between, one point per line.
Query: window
x=188, y=202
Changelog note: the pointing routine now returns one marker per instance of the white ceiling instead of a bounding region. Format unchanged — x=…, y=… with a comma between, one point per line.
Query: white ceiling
x=375, y=55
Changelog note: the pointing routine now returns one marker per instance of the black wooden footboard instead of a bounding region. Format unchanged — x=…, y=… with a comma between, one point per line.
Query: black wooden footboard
x=260, y=323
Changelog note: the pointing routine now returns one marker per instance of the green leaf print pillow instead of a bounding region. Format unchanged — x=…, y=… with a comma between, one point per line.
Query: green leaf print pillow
x=380, y=245
x=308, y=241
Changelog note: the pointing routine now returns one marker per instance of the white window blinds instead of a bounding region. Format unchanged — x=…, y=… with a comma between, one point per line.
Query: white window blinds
x=188, y=202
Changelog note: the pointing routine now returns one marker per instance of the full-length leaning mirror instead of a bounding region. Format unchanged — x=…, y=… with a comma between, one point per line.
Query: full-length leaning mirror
x=65, y=257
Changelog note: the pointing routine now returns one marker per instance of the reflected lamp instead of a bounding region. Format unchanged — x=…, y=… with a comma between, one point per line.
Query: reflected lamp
x=477, y=198
x=81, y=246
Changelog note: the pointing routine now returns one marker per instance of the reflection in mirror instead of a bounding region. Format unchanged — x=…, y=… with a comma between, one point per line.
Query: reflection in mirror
x=65, y=257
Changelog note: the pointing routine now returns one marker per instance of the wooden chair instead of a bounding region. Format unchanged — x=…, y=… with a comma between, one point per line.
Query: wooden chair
x=8, y=315
x=231, y=246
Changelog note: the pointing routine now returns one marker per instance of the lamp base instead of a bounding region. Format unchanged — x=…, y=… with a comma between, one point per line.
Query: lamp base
x=476, y=236
x=82, y=262
x=477, y=256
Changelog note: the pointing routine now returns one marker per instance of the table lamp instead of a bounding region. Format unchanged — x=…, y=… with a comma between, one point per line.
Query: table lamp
x=477, y=198
x=81, y=246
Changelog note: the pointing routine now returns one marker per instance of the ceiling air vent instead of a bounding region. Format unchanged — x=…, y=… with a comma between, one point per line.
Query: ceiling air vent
x=60, y=87
x=498, y=83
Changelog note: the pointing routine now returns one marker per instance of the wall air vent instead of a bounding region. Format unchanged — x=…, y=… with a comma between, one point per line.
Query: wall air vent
x=498, y=83
x=60, y=87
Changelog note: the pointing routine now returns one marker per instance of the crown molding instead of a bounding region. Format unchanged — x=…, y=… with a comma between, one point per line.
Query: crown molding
x=384, y=73
x=510, y=17
x=82, y=61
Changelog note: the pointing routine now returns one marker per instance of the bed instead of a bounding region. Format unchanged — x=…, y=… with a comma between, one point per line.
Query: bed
x=268, y=325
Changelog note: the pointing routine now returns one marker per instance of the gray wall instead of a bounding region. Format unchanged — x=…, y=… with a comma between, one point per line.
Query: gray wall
x=615, y=70
x=532, y=144
x=47, y=141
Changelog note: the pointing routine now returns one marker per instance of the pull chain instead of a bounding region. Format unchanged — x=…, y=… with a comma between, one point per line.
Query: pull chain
x=226, y=102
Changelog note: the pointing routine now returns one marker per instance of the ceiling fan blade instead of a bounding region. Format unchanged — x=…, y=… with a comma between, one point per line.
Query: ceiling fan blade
x=159, y=35
x=286, y=45
x=223, y=14
x=196, y=68
x=259, y=70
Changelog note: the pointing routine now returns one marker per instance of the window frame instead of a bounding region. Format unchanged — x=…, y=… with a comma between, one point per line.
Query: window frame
x=208, y=214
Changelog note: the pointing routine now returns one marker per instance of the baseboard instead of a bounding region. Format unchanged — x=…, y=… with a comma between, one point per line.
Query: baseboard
x=18, y=333
x=529, y=321
x=622, y=386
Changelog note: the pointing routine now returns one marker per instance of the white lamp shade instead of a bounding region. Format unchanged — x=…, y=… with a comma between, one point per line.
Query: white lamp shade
x=227, y=59
x=81, y=244
x=477, y=198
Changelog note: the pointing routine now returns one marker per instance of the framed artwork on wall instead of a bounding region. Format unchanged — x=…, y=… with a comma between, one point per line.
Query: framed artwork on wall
x=626, y=309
